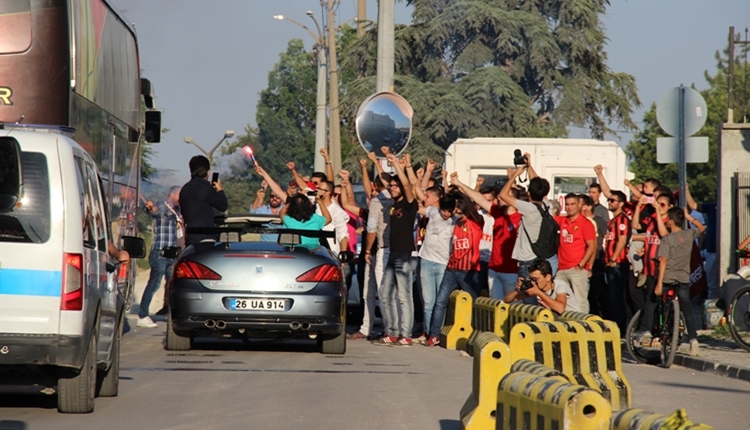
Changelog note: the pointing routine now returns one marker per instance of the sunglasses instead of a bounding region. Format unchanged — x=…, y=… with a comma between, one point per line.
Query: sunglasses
x=336, y=194
x=663, y=205
x=392, y=186
x=612, y=200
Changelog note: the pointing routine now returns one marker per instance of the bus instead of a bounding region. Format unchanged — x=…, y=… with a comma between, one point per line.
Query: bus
x=75, y=64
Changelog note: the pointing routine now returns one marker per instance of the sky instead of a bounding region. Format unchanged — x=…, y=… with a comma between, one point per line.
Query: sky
x=208, y=61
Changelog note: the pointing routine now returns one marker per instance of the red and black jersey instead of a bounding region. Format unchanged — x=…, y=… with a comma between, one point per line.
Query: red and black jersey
x=650, y=228
x=465, y=246
x=618, y=226
x=628, y=209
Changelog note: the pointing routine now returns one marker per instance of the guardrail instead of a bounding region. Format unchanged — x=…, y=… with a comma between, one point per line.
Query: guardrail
x=492, y=361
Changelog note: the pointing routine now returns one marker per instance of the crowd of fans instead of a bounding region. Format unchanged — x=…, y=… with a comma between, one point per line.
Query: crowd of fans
x=424, y=236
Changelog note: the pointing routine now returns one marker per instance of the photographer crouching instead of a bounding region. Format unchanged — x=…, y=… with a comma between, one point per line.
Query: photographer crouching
x=541, y=289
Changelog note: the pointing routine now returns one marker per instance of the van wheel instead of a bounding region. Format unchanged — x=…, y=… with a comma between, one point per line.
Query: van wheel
x=75, y=395
x=108, y=381
x=174, y=341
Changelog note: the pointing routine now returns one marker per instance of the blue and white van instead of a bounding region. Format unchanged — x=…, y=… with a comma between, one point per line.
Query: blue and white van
x=61, y=314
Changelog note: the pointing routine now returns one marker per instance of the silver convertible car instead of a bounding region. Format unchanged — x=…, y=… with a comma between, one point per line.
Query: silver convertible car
x=242, y=287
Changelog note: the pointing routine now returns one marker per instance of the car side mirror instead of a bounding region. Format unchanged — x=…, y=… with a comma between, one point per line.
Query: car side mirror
x=11, y=174
x=135, y=246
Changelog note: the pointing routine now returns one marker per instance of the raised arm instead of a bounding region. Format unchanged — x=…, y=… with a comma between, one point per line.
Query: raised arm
x=425, y=183
x=271, y=183
x=378, y=168
x=598, y=169
x=347, y=195
x=633, y=190
x=505, y=194
x=413, y=181
x=323, y=209
x=692, y=204
x=636, y=221
x=260, y=197
x=697, y=224
x=297, y=177
x=471, y=193
x=529, y=168
x=408, y=194
x=477, y=185
x=366, y=178
x=329, y=166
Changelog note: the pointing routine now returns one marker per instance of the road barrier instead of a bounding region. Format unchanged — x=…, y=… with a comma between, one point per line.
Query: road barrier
x=487, y=315
x=529, y=366
x=522, y=313
x=587, y=352
x=528, y=401
x=638, y=419
x=577, y=316
x=492, y=361
x=457, y=326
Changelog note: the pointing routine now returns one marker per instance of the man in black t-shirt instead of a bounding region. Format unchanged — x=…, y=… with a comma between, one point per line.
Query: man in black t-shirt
x=398, y=276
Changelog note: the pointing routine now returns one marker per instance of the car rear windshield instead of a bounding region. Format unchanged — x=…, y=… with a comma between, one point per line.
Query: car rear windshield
x=31, y=222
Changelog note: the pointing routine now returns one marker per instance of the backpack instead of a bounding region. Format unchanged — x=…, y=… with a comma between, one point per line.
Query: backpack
x=548, y=241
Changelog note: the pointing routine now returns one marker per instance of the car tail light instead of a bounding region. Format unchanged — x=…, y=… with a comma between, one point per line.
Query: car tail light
x=324, y=273
x=193, y=270
x=72, y=283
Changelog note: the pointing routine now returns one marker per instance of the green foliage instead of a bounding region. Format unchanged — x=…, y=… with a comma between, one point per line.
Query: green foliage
x=702, y=177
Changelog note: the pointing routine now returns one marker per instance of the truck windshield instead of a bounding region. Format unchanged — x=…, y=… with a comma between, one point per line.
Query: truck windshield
x=31, y=222
x=15, y=22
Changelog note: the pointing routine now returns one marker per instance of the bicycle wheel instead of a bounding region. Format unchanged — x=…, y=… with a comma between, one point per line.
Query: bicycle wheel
x=738, y=317
x=670, y=333
x=643, y=354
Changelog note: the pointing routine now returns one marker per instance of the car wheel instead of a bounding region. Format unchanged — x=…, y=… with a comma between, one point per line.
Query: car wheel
x=75, y=395
x=337, y=345
x=174, y=341
x=109, y=380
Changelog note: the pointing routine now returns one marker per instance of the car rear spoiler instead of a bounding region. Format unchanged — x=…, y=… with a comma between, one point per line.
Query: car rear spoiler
x=234, y=226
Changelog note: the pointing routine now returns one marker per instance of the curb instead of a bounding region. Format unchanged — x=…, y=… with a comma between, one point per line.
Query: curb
x=708, y=366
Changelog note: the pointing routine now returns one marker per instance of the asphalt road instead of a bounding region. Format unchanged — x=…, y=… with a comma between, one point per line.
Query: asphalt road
x=225, y=384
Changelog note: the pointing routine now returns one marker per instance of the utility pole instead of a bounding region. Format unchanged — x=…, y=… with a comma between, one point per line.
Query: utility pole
x=730, y=74
x=386, y=31
x=361, y=17
x=333, y=127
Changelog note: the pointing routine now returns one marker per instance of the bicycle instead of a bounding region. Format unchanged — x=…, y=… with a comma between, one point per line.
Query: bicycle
x=738, y=312
x=667, y=328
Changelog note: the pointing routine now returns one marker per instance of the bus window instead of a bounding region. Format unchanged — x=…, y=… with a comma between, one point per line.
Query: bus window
x=15, y=19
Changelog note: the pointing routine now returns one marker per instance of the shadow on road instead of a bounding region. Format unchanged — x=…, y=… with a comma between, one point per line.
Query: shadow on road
x=450, y=424
x=703, y=387
x=12, y=425
x=292, y=345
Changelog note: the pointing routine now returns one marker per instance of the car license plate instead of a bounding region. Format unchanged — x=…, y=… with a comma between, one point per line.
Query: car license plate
x=256, y=304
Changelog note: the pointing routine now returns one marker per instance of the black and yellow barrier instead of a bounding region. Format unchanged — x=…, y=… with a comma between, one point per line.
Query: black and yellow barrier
x=530, y=366
x=587, y=352
x=527, y=401
x=487, y=315
x=491, y=362
x=576, y=316
x=638, y=419
x=457, y=326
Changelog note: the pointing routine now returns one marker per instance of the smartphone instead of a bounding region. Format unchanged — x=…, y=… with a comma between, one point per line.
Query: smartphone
x=649, y=199
x=215, y=177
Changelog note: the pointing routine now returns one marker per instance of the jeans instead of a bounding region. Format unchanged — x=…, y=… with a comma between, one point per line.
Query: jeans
x=646, y=322
x=712, y=275
x=467, y=281
x=397, y=285
x=501, y=283
x=160, y=268
x=431, y=274
x=612, y=298
x=372, y=289
x=683, y=294
x=578, y=280
x=523, y=266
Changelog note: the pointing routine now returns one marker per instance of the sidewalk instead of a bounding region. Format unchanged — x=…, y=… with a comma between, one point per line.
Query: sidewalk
x=718, y=356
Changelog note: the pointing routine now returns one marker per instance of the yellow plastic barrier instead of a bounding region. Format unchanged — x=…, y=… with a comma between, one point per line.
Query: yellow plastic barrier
x=487, y=315
x=587, y=352
x=530, y=366
x=577, y=316
x=522, y=313
x=526, y=401
x=457, y=326
x=491, y=362
x=638, y=419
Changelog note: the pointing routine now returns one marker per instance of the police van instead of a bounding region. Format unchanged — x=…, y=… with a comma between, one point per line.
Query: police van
x=61, y=311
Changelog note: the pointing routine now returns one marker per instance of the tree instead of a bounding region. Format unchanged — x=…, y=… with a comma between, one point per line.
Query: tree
x=475, y=68
x=702, y=177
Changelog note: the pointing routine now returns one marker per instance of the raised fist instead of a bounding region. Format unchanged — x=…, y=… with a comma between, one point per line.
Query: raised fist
x=385, y=150
x=480, y=180
x=344, y=174
x=598, y=169
x=324, y=153
x=431, y=164
x=372, y=157
x=363, y=163
x=290, y=165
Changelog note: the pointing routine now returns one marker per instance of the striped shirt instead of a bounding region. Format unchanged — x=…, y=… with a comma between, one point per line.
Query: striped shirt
x=465, y=246
x=165, y=225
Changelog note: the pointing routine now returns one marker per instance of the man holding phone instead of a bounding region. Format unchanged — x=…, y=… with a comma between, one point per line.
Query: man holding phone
x=199, y=198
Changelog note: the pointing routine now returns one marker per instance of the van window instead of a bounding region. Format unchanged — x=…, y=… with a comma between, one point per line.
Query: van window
x=87, y=211
x=98, y=208
x=31, y=222
x=572, y=184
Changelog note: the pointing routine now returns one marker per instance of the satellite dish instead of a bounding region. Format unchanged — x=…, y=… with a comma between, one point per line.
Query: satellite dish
x=384, y=119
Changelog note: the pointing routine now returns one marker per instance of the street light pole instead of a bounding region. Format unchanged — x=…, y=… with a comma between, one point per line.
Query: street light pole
x=335, y=139
x=320, y=118
x=386, y=32
x=209, y=154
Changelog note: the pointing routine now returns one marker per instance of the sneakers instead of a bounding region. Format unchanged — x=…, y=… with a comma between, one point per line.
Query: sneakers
x=404, y=341
x=421, y=339
x=145, y=323
x=694, y=347
x=432, y=341
x=385, y=340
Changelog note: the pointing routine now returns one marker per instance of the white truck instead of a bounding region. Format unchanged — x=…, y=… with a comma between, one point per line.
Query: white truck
x=568, y=164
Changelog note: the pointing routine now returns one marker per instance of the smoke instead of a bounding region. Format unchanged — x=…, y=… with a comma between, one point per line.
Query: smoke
x=156, y=188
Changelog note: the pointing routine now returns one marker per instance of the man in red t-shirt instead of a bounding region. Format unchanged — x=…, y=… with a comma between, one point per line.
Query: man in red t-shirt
x=577, y=246
x=616, y=259
x=503, y=269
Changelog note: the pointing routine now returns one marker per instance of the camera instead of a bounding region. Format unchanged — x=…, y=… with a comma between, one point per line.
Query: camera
x=526, y=284
x=312, y=193
x=518, y=158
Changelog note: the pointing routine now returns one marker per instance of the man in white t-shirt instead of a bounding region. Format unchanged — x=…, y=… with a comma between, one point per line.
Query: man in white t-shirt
x=339, y=220
x=543, y=290
x=435, y=250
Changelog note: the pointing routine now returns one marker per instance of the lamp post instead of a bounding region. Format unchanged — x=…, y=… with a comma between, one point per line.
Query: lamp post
x=320, y=119
x=209, y=154
x=335, y=139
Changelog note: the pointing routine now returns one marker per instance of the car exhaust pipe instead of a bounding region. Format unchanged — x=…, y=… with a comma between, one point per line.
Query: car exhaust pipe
x=221, y=325
x=294, y=325
x=210, y=323
x=305, y=326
